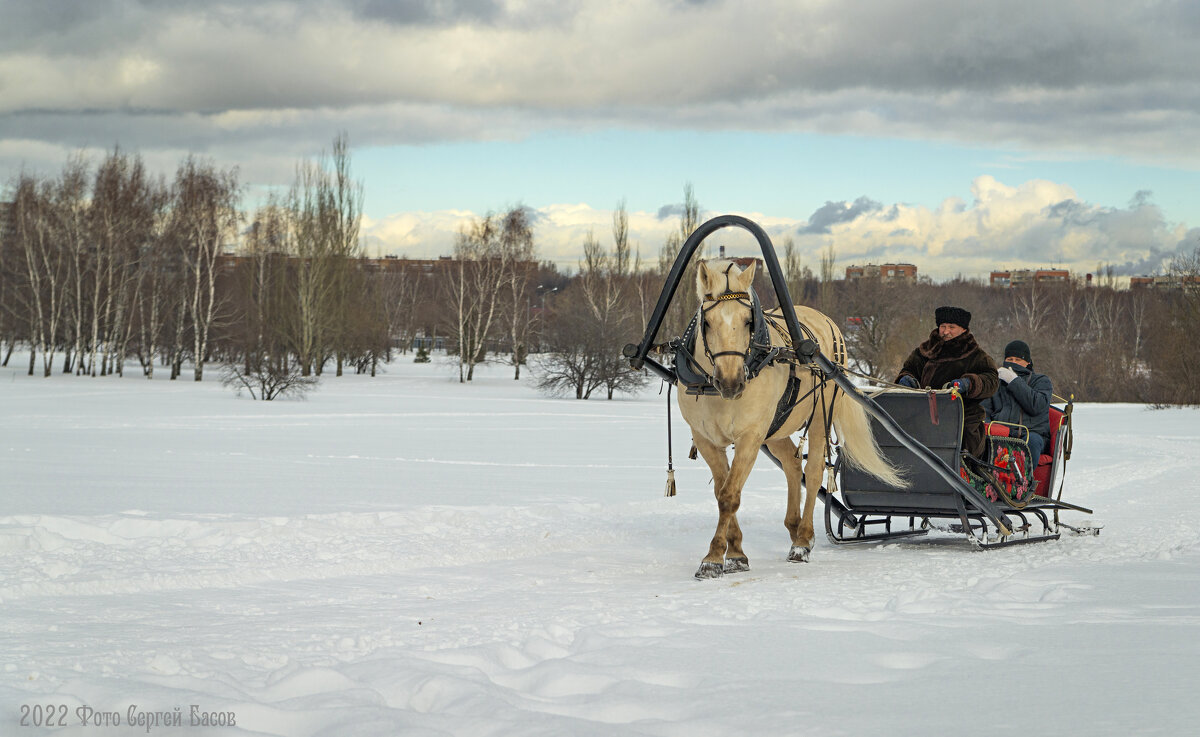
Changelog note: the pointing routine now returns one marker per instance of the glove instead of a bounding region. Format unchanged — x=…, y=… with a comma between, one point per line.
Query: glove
x=908, y=381
x=1006, y=374
x=963, y=384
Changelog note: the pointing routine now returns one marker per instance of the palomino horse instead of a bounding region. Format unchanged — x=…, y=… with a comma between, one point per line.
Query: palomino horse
x=734, y=338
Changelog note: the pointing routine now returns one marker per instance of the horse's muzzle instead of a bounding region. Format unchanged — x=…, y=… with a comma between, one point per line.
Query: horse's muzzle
x=730, y=389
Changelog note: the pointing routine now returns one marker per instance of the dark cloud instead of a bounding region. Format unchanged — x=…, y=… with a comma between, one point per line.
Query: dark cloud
x=1140, y=198
x=670, y=211
x=833, y=213
x=1072, y=213
x=1107, y=77
x=1159, y=260
x=429, y=12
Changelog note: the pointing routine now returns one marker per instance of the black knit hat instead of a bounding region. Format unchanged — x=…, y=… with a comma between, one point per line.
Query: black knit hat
x=1018, y=349
x=953, y=315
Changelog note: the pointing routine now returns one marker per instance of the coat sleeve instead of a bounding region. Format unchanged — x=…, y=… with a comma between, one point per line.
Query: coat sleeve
x=984, y=379
x=913, y=366
x=1032, y=393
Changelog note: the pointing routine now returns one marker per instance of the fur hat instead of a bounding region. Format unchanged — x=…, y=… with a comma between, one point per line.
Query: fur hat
x=1018, y=349
x=953, y=315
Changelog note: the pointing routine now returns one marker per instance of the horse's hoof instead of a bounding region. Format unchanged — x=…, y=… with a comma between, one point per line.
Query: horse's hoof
x=710, y=570
x=799, y=554
x=737, y=565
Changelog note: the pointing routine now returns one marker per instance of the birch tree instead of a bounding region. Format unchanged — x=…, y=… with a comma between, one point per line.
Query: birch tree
x=157, y=289
x=43, y=267
x=474, y=287
x=123, y=214
x=518, y=255
x=206, y=219
x=326, y=209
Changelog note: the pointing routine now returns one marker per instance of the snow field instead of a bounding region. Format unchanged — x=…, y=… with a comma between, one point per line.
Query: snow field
x=405, y=555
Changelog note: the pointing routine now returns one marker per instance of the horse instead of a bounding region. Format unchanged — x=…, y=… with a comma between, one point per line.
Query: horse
x=737, y=348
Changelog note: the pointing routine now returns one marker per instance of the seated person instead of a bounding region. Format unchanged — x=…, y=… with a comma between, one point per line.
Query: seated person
x=951, y=357
x=1023, y=397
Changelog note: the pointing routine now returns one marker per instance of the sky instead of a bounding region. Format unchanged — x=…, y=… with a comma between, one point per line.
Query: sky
x=959, y=136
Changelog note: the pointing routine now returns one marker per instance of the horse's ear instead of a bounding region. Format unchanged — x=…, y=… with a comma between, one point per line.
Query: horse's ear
x=704, y=279
x=747, y=278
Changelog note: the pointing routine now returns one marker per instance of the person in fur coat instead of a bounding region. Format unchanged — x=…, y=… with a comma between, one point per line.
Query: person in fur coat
x=952, y=358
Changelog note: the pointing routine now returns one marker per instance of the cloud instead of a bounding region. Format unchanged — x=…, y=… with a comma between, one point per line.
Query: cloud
x=1034, y=224
x=832, y=213
x=1105, y=77
x=670, y=211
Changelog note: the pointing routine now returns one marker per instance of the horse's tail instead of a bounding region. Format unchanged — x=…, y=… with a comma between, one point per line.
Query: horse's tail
x=858, y=443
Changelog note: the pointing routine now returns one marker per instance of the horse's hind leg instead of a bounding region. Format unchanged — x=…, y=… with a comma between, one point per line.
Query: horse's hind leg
x=814, y=472
x=725, y=551
x=785, y=450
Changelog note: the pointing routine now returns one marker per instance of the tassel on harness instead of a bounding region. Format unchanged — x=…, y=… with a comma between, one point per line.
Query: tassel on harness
x=670, y=490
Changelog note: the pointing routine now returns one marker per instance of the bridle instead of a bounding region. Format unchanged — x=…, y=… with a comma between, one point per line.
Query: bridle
x=747, y=299
x=758, y=353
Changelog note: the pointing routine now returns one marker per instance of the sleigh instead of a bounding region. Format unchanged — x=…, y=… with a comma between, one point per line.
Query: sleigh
x=866, y=511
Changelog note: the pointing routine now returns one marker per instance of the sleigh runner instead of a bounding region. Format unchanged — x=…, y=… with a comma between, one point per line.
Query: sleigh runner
x=756, y=378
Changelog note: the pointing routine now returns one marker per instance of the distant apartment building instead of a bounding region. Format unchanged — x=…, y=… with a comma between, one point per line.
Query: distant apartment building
x=886, y=273
x=1023, y=277
x=1169, y=281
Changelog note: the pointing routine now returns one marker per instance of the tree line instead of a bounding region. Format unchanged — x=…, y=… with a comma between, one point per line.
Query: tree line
x=104, y=265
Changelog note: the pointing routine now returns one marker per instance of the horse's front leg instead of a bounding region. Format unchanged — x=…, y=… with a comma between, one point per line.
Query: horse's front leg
x=725, y=551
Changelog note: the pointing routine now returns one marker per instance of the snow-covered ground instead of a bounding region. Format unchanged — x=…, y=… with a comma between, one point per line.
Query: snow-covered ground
x=406, y=555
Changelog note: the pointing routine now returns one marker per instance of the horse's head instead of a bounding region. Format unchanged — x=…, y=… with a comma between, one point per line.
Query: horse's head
x=727, y=322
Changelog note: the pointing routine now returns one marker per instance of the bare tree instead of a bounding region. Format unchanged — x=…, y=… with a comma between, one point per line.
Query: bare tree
x=1029, y=313
x=826, y=297
x=474, y=287
x=404, y=288
x=265, y=305
x=326, y=211
x=8, y=311
x=1175, y=353
x=518, y=254
x=43, y=264
x=206, y=219
x=596, y=320
x=572, y=361
x=71, y=224
x=264, y=379
x=121, y=222
x=794, y=270
x=679, y=314
x=876, y=317
x=344, y=217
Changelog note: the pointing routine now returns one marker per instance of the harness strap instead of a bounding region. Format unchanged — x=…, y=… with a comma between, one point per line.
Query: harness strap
x=727, y=297
x=787, y=402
